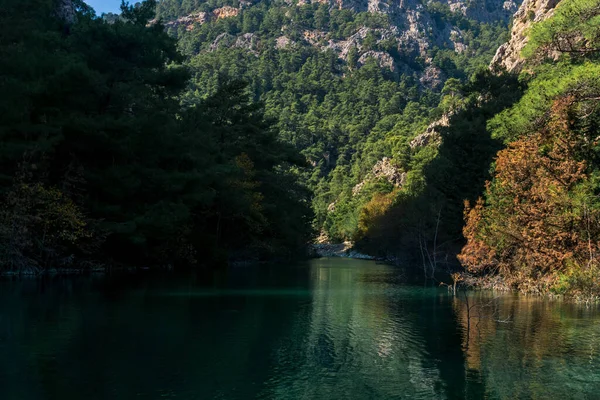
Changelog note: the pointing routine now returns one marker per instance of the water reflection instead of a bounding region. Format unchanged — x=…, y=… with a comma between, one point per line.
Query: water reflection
x=333, y=329
x=524, y=347
x=358, y=340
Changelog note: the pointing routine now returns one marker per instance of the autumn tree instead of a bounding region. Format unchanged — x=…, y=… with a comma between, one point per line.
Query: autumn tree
x=539, y=223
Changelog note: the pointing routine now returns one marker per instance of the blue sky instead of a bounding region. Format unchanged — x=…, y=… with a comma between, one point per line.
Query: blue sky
x=104, y=6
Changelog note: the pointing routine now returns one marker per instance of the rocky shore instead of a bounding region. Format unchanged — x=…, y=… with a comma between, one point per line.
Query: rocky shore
x=338, y=250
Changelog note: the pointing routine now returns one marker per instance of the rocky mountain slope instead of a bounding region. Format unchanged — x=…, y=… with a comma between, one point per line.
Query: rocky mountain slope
x=402, y=36
x=508, y=55
x=352, y=84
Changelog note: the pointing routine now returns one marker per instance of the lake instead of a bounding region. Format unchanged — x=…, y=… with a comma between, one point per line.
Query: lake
x=325, y=329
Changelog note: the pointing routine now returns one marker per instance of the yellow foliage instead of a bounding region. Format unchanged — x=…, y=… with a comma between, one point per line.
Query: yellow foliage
x=36, y=225
x=376, y=208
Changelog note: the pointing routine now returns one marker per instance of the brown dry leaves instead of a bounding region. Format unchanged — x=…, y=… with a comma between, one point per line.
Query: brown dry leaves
x=530, y=225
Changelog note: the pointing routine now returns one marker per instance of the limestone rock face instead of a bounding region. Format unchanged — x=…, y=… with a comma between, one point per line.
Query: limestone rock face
x=383, y=169
x=342, y=47
x=189, y=21
x=402, y=46
x=222, y=40
x=508, y=56
x=425, y=138
x=432, y=133
x=456, y=38
x=383, y=59
x=314, y=37
x=225, y=12
x=247, y=41
x=414, y=30
x=480, y=10
x=432, y=78
x=201, y=17
x=282, y=42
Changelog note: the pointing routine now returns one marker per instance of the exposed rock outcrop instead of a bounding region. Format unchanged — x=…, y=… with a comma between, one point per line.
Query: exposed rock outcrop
x=383, y=169
x=314, y=37
x=247, y=41
x=425, y=139
x=225, y=12
x=224, y=39
x=508, y=56
x=201, y=17
x=432, y=78
x=483, y=11
x=456, y=38
x=342, y=47
x=282, y=42
x=189, y=21
x=432, y=133
x=403, y=46
x=480, y=10
x=338, y=250
x=414, y=30
x=383, y=59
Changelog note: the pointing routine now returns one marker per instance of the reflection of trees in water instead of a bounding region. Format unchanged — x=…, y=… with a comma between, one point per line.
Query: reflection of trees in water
x=355, y=335
x=524, y=347
x=359, y=342
x=133, y=343
x=34, y=328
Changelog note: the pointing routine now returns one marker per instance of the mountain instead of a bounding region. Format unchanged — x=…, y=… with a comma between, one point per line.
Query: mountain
x=402, y=36
x=416, y=131
x=432, y=132
x=352, y=85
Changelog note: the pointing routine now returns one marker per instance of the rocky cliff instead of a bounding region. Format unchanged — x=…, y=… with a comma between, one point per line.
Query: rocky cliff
x=402, y=44
x=189, y=22
x=508, y=55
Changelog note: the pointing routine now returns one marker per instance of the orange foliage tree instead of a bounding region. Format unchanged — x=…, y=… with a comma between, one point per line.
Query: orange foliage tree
x=538, y=225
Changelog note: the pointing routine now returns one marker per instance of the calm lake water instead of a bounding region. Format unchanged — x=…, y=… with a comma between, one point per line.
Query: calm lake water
x=327, y=329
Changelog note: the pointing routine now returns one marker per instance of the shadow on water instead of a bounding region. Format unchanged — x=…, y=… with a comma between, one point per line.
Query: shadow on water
x=328, y=329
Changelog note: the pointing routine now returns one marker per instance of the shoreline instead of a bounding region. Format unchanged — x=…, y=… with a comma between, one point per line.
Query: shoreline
x=495, y=283
x=342, y=250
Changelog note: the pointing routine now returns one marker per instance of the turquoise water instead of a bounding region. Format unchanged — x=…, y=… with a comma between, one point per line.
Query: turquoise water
x=326, y=329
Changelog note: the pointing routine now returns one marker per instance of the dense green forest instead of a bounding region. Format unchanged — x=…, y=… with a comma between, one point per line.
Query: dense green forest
x=349, y=93
x=142, y=139
x=384, y=180
x=102, y=165
x=300, y=199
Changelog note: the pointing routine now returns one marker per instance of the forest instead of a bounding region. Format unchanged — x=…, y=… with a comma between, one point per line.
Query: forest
x=299, y=199
x=187, y=133
x=536, y=227
x=102, y=164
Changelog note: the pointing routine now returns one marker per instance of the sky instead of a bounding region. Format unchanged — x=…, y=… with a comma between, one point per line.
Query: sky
x=104, y=6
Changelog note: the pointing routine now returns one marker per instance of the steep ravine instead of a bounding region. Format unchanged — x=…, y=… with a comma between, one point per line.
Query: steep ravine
x=354, y=85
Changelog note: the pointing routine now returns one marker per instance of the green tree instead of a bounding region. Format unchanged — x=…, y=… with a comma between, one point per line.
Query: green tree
x=353, y=57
